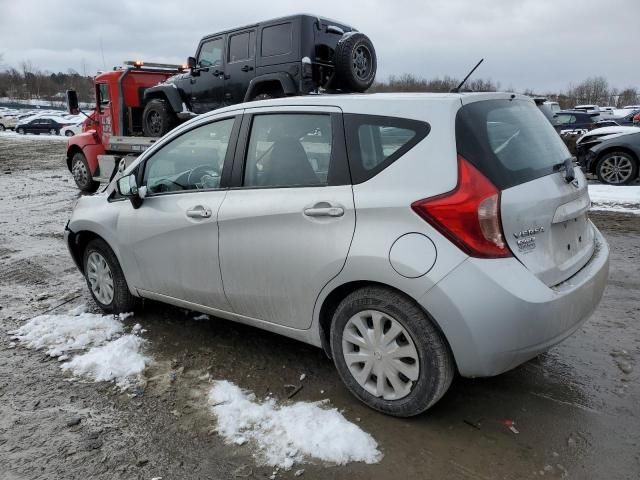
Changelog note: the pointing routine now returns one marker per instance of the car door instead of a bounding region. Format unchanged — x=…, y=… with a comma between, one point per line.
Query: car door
x=241, y=64
x=207, y=81
x=173, y=236
x=287, y=223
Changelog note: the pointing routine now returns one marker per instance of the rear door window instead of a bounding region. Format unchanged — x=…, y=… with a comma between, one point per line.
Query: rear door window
x=287, y=150
x=509, y=141
x=375, y=142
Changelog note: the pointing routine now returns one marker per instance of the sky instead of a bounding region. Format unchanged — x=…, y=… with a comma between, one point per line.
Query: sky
x=544, y=45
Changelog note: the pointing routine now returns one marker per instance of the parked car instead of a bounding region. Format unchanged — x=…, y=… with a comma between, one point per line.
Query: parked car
x=593, y=137
x=472, y=252
x=71, y=130
x=7, y=122
x=294, y=55
x=40, y=125
x=547, y=107
x=566, y=120
x=627, y=118
x=614, y=158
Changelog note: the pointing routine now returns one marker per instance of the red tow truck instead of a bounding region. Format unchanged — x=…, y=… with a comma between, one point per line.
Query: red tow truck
x=113, y=131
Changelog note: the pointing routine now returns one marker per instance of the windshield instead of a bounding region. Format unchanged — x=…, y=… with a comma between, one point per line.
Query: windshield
x=509, y=141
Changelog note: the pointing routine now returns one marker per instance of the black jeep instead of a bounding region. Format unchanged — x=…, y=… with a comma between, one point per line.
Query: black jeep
x=294, y=55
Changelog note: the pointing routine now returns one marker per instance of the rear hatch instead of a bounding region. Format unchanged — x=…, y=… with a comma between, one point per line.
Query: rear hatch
x=543, y=212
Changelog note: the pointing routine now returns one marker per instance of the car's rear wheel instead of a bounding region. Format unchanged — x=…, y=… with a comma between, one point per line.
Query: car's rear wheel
x=105, y=279
x=157, y=118
x=53, y=131
x=2, y=128
x=389, y=353
x=355, y=62
x=82, y=174
x=617, y=168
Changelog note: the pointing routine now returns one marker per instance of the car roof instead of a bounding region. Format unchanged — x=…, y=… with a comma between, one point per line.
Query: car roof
x=274, y=20
x=348, y=101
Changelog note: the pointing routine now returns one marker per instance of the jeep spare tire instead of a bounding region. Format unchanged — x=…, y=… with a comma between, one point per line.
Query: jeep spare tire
x=355, y=62
x=157, y=118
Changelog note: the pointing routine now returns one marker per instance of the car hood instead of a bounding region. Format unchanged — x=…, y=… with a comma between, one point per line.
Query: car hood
x=616, y=140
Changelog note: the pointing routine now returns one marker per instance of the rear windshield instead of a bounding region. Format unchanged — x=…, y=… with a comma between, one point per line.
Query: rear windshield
x=509, y=141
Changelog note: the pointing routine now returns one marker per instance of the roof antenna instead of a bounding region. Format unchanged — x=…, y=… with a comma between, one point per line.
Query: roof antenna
x=457, y=89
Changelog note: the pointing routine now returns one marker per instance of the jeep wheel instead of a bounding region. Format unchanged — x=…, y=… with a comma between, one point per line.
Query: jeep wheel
x=82, y=174
x=355, y=62
x=617, y=168
x=157, y=118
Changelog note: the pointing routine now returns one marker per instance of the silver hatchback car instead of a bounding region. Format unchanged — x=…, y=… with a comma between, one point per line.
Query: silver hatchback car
x=411, y=236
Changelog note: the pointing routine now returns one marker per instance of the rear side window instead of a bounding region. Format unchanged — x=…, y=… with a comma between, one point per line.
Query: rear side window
x=276, y=40
x=509, y=141
x=375, y=142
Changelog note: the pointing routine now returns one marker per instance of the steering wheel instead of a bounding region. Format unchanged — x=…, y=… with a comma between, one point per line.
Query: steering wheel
x=204, y=176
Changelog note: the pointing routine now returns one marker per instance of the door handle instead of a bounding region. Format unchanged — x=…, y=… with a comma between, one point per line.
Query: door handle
x=217, y=73
x=247, y=68
x=199, y=212
x=324, y=211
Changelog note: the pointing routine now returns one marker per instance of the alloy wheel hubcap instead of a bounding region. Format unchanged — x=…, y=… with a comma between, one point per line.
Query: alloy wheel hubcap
x=616, y=169
x=80, y=173
x=361, y=62
x=155, y=122
x=380, y=354
x=100, y=278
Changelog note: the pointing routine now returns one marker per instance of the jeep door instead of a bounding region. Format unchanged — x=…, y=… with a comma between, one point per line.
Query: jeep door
x=287, y=222
x=241, y=64
x=173, y=236
x=207, y=81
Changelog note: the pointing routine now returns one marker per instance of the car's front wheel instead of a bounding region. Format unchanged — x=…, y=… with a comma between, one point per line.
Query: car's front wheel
x=53, y=131
x=617, y=168
x=157, y=118
x=2, y=128
x=82, y=174
x=21, y=131
x=389, y=353
x=105, y=279
x=68, y=133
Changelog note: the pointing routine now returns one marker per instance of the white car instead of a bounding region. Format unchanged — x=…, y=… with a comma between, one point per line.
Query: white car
x=71, y=130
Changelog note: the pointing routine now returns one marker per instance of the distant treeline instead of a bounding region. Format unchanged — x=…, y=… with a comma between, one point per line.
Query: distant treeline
x=593, y=90
x=31, y=83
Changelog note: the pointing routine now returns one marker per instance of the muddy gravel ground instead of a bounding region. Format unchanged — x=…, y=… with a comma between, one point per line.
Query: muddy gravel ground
x=576, y=408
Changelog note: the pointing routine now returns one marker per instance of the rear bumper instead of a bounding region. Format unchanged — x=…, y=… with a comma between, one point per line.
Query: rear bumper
x=497, y=315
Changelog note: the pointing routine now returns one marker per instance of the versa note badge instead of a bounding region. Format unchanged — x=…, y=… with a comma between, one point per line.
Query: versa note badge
x=526, y=239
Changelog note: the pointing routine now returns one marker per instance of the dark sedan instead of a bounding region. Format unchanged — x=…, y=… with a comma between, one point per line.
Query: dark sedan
x=567, y=120
x=614, y=160
x=41, y=125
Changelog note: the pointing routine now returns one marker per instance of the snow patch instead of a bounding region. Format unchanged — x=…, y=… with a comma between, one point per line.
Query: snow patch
x=94, y=344
x=623, y=198
x=34, y=138
x=287, y=434
x=117, y=360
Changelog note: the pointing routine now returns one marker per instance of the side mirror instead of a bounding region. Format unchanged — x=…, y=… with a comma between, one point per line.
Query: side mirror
x=72, y=102
x=127, y=186
x=191, y=62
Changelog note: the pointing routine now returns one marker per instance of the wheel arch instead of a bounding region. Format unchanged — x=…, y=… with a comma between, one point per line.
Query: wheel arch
x=164, y=92
x=71, y=151
x=77, y=243
x=268, y=82
x=339, y=293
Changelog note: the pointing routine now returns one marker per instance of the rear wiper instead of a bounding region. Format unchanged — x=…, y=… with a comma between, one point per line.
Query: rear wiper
x=567, y=166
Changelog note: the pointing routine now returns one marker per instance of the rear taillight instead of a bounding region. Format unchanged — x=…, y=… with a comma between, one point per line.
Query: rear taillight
x=469, y=215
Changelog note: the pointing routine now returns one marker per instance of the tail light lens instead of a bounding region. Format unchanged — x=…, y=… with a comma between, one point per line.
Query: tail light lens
x=469, y=215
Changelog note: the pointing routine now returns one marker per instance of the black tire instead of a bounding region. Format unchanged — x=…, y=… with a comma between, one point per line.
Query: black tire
x=158, y=118
x=82, y=174
x=436, y=364
x=2, y=128
x=68, y=133
x=355, y=62
x=122, y=301
x=628, y=168
x=20, y=131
